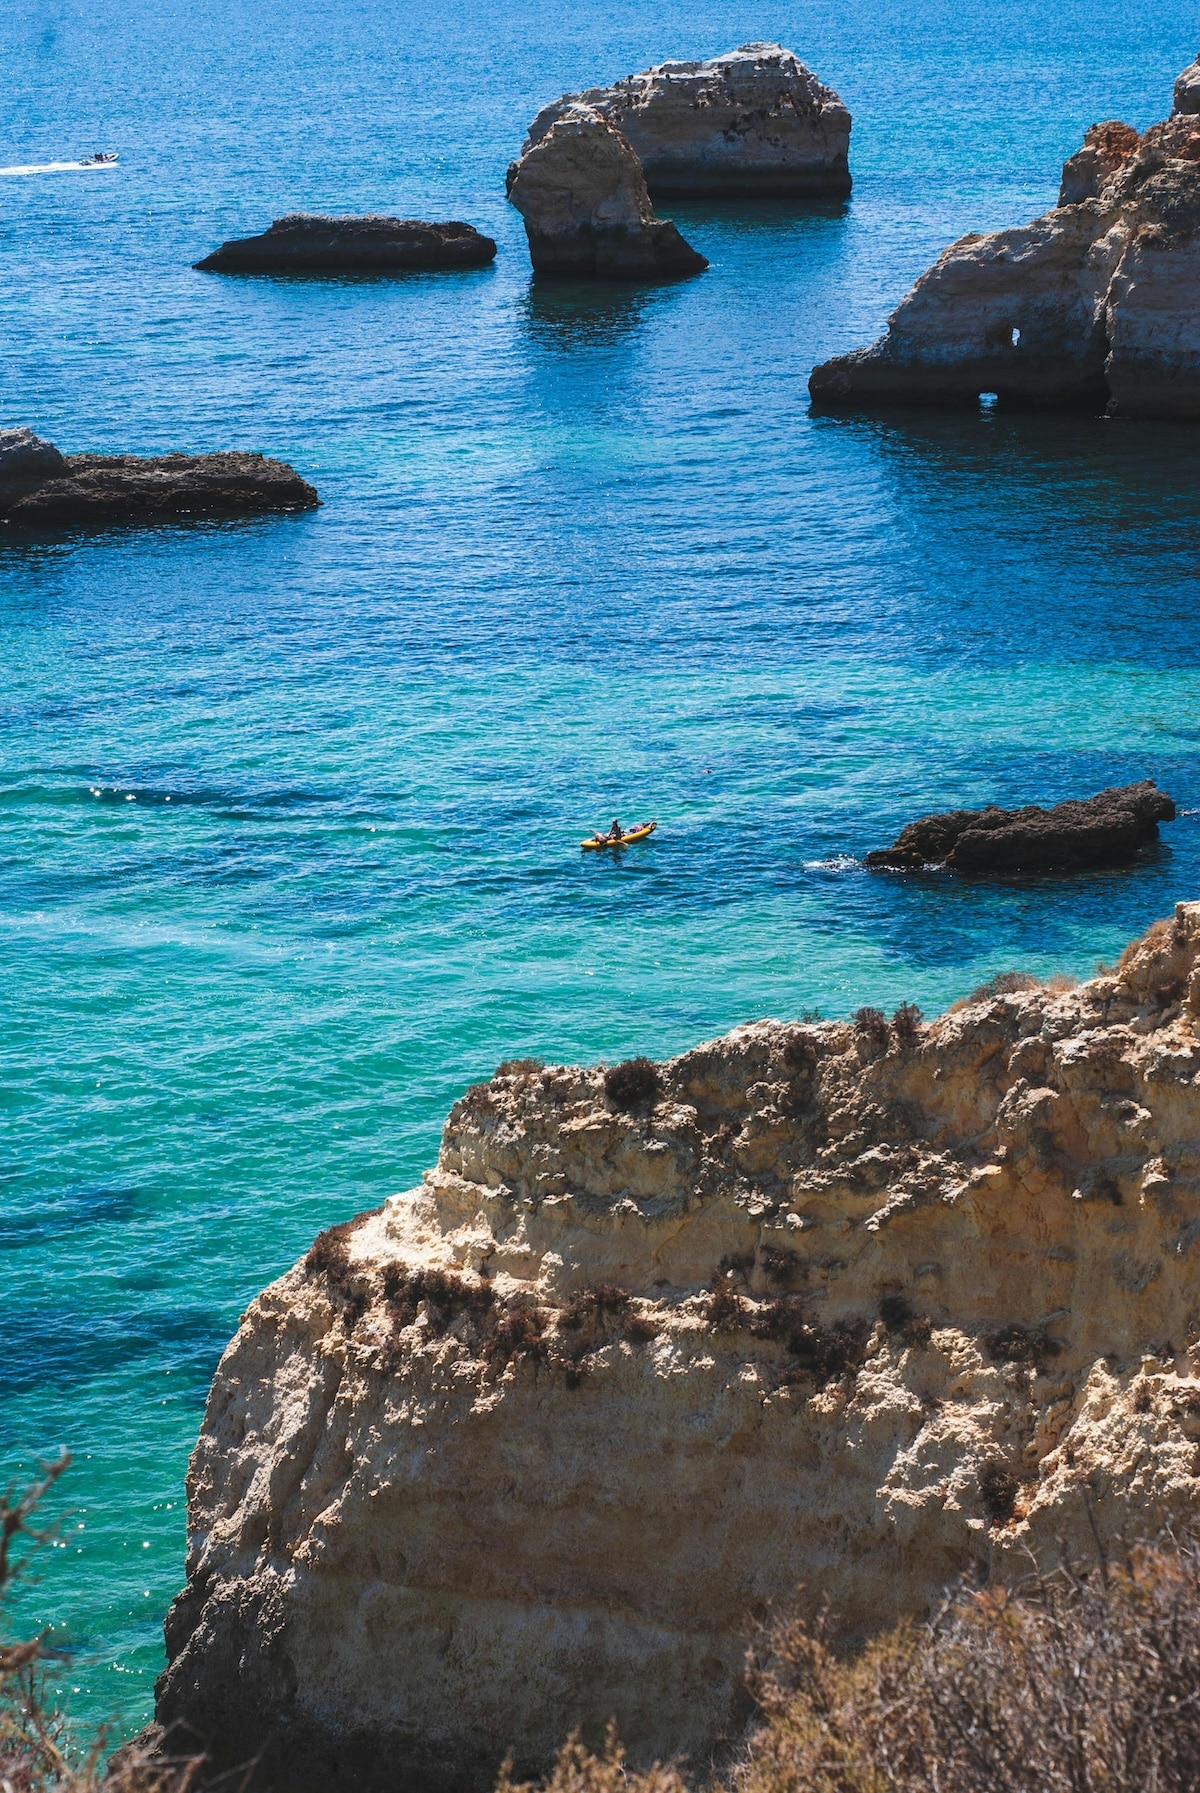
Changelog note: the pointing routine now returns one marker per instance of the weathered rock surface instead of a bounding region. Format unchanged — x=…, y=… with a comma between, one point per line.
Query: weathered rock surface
x=1092, y=306
x=26, y=456
x=582, y=194
x=753, y=122
x=40, y=485
x=533, y=1444
x=1086, y=173
x=1186, y=97
x=1106, y=830
x=305, y=242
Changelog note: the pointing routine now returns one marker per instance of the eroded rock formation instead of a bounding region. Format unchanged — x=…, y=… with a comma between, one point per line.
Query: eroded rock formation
x=1092, y=306
x=40, y=485
x=753, y=122
x=1108, y=829
x=845, y=1308
x=582, y=194
x=305, y=242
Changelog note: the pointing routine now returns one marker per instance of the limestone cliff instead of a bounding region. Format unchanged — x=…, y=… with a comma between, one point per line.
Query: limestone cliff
x=1092, y=306
x=754, y=122
x=830, y=1311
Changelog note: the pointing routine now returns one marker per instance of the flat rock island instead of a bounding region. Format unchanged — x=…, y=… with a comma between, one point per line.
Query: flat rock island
x=1109, y=829
x=582, y=193
x=38, y=484
x=850, y=1308
x=1091, y=307
x=753, y=123
x=307, y=242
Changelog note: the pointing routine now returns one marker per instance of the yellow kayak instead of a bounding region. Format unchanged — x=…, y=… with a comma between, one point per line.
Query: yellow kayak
x=606, y=840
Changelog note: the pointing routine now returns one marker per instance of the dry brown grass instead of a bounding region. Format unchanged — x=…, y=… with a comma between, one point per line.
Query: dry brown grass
x=36, y=1752
x=577, y=1770
x=1075, y=1683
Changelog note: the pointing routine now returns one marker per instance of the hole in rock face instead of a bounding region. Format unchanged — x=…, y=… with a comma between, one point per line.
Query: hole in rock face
x=1016, y=339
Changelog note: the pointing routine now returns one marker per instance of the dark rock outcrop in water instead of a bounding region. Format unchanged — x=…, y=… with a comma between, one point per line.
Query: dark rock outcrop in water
x=752, y=123
x=306, y=242
x=40, y=485
x=1095, y=306
x=1106, y=830
x=582, y=194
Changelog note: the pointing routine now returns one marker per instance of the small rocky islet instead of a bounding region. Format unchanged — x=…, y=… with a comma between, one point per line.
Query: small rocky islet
x=310, y=242
x=754, y=123
x=1091, y=307
x=1081, y=834
x=41, y=485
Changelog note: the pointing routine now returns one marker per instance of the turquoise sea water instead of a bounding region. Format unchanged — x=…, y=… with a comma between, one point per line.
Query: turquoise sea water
x=289, y=810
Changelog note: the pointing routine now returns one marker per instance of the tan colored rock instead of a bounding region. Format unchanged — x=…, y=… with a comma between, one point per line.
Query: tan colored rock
x=535, y=1444
x=1106, y=147
x=1093, y=306
x=582, y=194
x=753, y=122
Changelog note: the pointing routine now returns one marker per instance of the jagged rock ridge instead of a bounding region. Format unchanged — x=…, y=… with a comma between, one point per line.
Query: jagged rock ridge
x=754, y=122
x=1092, y=306
x=846, y=1307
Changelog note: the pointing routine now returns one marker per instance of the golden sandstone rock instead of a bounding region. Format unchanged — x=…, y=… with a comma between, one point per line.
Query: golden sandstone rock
x=836, y=1312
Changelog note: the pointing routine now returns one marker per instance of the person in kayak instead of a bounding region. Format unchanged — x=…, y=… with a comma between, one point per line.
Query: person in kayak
x=616, y=831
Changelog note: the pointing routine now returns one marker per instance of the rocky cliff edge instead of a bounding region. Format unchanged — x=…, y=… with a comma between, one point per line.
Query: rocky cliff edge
x=815, y=1312
x=1091, y=307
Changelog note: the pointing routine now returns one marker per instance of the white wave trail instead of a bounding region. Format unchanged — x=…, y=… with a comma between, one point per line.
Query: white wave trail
x=59, y=168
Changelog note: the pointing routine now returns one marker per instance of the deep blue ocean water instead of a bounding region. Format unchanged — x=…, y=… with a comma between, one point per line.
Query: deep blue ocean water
x=290, y=809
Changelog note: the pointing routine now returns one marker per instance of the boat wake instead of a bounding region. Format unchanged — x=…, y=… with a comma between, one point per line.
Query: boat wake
x=89, y=167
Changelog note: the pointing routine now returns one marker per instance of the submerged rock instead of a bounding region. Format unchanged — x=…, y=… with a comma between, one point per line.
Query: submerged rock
x=753, y=122
x=1092, y=306
x=1108, y=829
x=305, y=242
x=40, y=485
x=533, y=1445
x=582, y=194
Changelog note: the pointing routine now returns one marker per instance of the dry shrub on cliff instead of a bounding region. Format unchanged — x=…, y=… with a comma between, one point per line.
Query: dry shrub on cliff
x=897, y=1314
x=998, y=1490
x=329, y=1257
x=1021, y=1344
x=445, y=1294
x=518, y=1333
x=799, y=1053
x=906, y=1024
x=820, y=1353
x=576, y=1770
x=633, y=1084
x=872, y=1026
x=724, y=1308
x=1077, y=1683
x=778, y=1264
